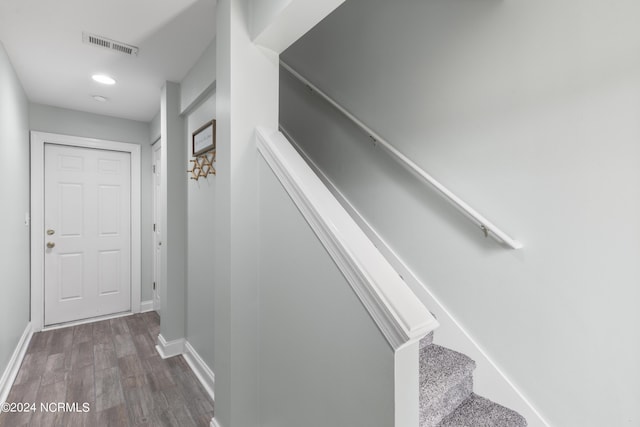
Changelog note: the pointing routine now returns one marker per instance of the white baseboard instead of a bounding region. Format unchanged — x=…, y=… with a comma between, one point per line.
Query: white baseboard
x=168, y=349
x=214, y=423
x=200, y=368
x=10, y=373
x=146, y=306
x=489, y=380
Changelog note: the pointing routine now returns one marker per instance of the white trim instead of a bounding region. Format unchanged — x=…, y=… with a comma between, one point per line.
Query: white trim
x=10, y=373
x=399, y=314
x=167, y=349
x=500, y=385
x=485, y=225
x=85, y=321
x=38, y=139
x=214, y=423
x=146, y=306
x=200, y=368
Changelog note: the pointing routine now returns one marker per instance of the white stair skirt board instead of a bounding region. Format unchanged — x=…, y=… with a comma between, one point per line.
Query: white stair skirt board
x=200, y=368
x=146, y=306
x=10, y=373
x=167, y=349
x=489, y=380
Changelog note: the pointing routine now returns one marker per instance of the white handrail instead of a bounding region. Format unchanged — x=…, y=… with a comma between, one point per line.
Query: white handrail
x=487, y=227
x=400, y=315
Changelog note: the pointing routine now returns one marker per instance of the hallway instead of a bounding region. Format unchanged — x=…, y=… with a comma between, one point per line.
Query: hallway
x=112, y=366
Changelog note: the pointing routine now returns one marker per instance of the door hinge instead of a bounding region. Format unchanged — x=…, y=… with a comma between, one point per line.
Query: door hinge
x=154, y=286
x=154, y=168
x=154, y=227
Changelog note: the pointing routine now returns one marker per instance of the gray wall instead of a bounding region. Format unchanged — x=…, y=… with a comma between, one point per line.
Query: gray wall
x=200, y=80
x=201, y=235
x=323, y=360
x=529, y=112
x=14, y=204
x=76, y=123
x=173, y=221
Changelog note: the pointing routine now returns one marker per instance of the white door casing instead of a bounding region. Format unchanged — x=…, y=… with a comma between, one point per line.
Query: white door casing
x=87, y=261
x=38, y=142
x=157, y=231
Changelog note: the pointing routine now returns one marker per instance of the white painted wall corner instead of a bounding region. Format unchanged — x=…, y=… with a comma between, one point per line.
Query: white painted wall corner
x=168, y=349
x=10, y=373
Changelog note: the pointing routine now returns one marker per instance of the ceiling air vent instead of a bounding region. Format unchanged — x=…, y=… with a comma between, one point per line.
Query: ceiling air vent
x=109, y=44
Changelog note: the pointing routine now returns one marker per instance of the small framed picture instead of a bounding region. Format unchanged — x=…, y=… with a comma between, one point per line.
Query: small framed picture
x=204, y=139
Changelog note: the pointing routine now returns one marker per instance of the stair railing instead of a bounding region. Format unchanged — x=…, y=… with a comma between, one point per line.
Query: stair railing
x=486, y=226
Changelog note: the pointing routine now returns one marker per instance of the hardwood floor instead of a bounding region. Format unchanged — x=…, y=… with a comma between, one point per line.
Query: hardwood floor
x=112, y=366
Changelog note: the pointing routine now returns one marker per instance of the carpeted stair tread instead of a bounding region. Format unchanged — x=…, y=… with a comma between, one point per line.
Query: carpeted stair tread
x=442, y=368
x=446, y=380
x=426, y=341
x=477, y=411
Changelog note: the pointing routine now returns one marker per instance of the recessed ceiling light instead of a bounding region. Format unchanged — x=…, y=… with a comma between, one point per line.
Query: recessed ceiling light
x=104, y=79
x=100, y=98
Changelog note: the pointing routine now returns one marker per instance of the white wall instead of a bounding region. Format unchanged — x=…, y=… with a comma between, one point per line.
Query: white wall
x=154, y=129
x=323, y=360
x=200, y=80
x=263, y=13
x=173, y=219
x=529, y=112
x=14, y=204
x=201, y=236
x=76, y=123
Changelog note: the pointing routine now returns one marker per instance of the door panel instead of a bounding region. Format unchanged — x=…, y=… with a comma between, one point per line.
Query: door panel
x=88, y=213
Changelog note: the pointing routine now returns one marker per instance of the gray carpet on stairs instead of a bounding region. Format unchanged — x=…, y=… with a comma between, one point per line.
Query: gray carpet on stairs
x=446, y=392
x=477, y=411
x=445, y=382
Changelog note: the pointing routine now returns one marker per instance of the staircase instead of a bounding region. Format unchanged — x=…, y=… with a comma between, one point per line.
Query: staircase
x=446, y=392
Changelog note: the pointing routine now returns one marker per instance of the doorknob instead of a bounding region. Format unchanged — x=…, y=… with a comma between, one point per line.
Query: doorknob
x=51, y=232
x=51, y=245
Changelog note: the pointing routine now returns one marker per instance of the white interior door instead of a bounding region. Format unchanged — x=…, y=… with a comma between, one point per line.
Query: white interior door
x=157, y=235
x=87, y=218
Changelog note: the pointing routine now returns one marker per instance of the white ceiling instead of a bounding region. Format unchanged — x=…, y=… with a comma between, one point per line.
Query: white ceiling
x=44, y=41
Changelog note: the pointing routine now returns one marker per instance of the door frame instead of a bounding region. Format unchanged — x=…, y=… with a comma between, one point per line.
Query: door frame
x=38, y=140
x=157, y=263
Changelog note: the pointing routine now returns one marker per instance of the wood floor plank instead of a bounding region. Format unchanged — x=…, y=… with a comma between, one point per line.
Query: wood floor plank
x=32, y=367
x=108, y=389
x=82, y=354
x=39, y=342
x=119, y=326
x=114, y=367
x=160, y=379
x=102, y=333
x=83, y=333
x=130, y=366
x=137, y=325
x=105, y=356
x=115, y=416
x=81, y=386
x=61, y=339
x=177, y=417
x=154, y=363
x=55, y=369
x=140, y=401
x=49, y=395
x=124, y=345
x=20, y=393
x=145, y=346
